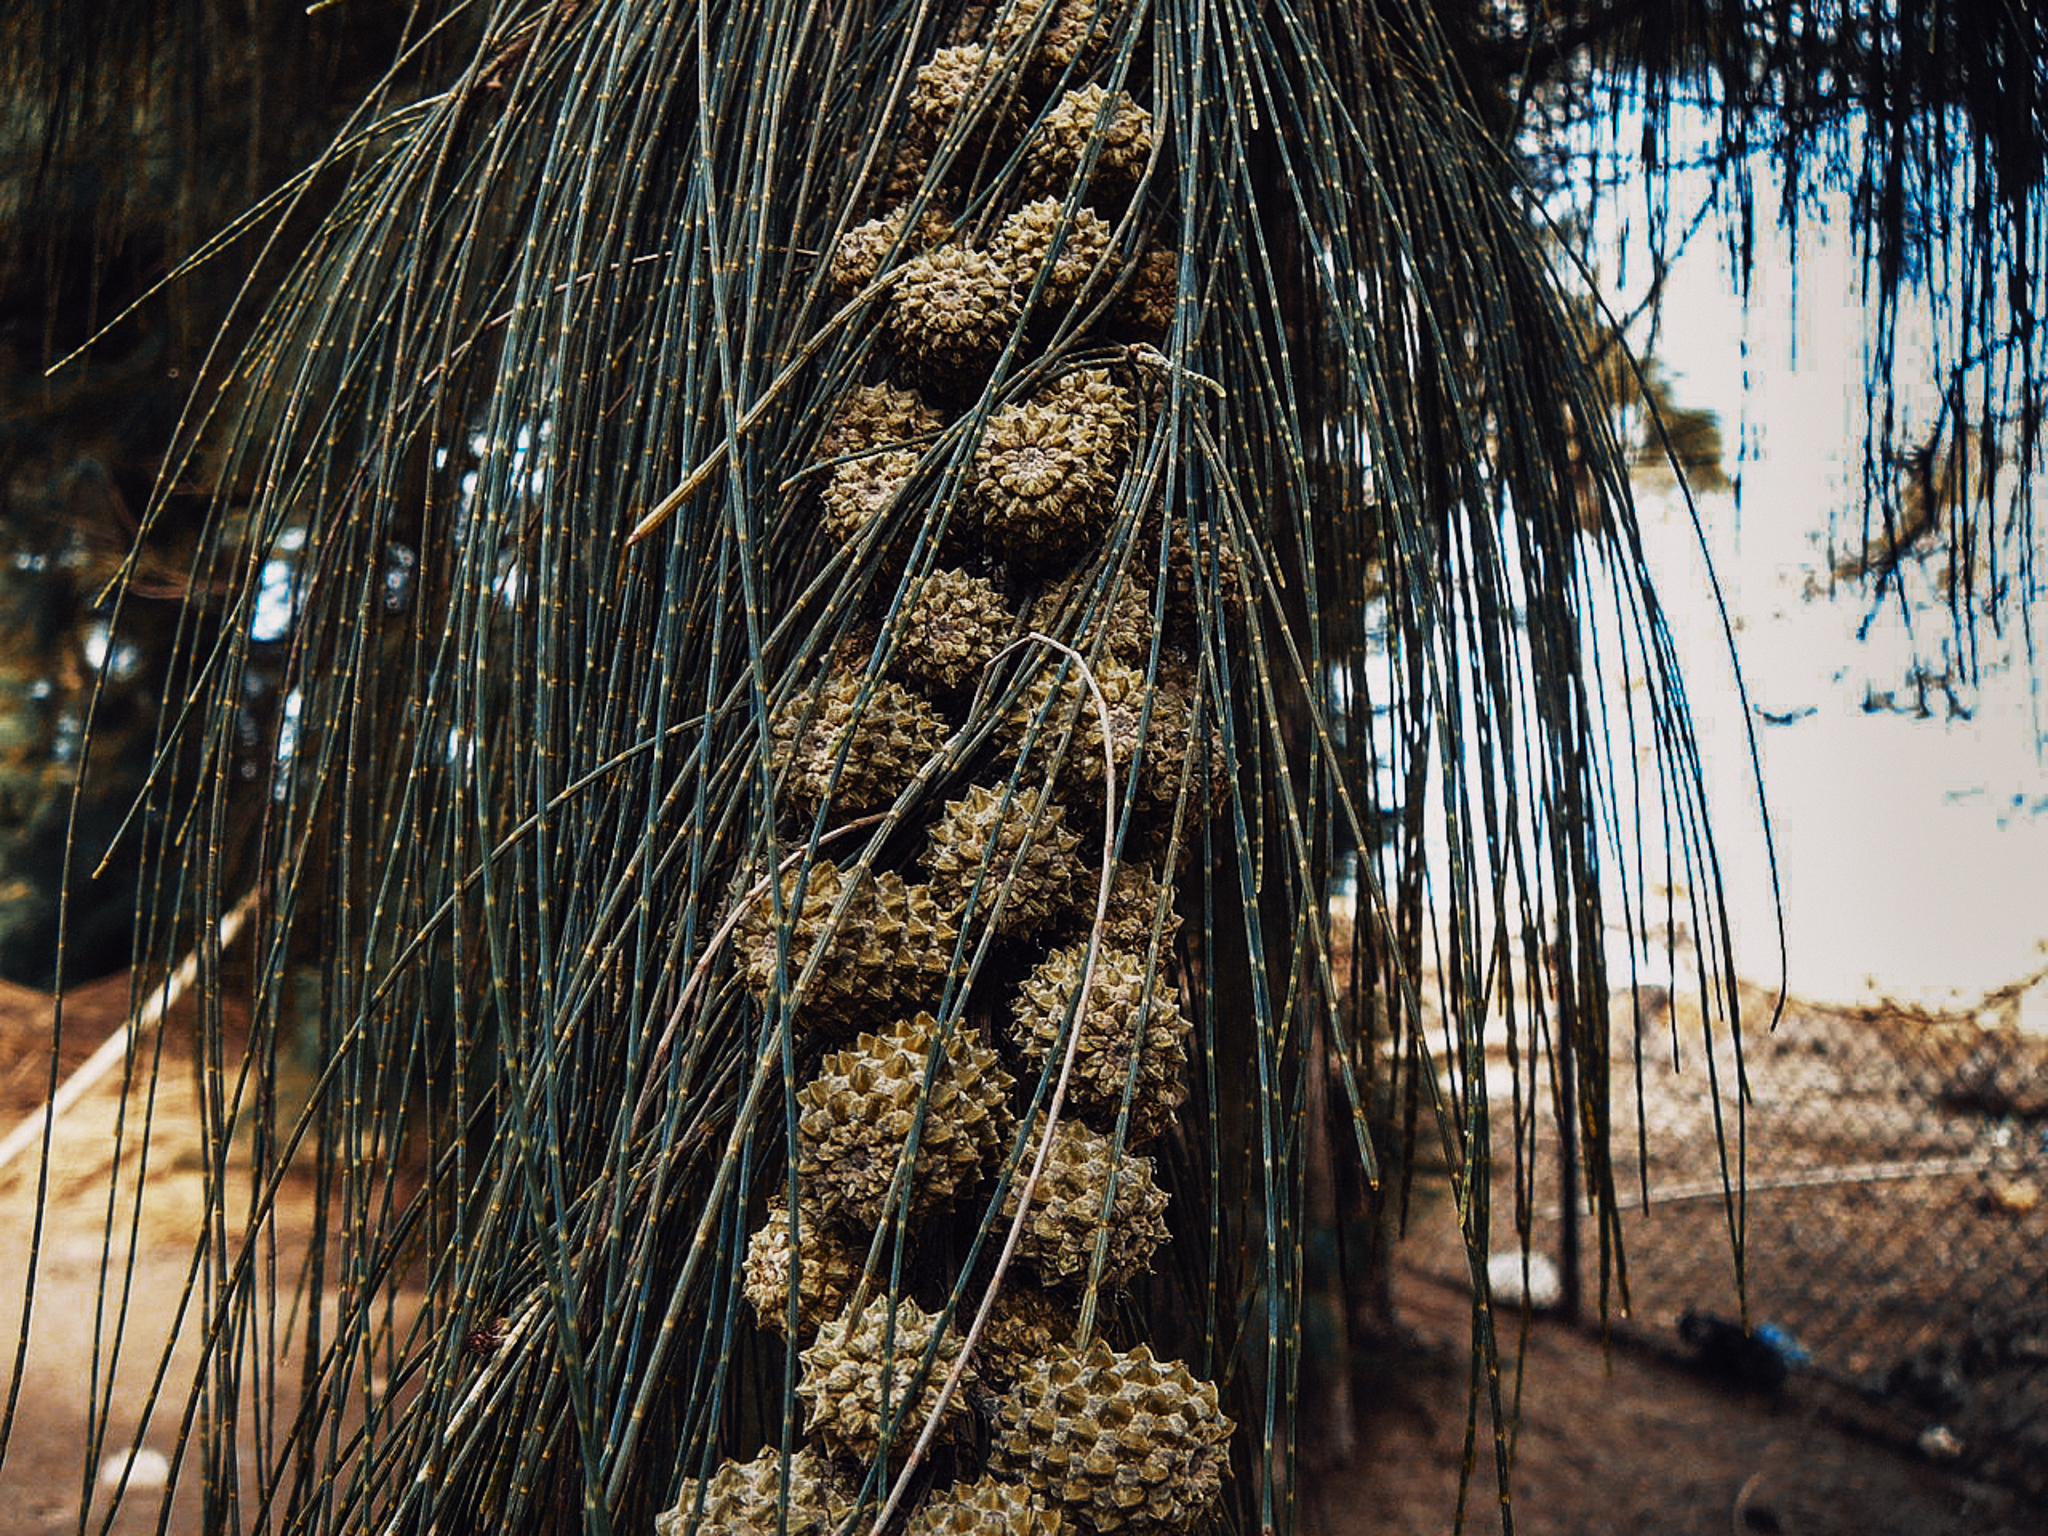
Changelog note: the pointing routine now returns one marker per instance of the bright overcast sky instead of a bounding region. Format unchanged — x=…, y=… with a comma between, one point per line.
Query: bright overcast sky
x=1912, y=851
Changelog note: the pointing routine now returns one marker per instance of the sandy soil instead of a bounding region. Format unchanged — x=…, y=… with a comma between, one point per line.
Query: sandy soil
x=1624, y=1440
x=72, y=1419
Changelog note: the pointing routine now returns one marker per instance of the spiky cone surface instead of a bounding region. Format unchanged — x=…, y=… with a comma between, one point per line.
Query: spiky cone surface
x=744, y=1498
x=1116, y=1441
x=1095, y=395
x=1024, y=247
x=1052, y=160
x=888, y=958
x=950, y=630
x=1168, y=738
x=1024, y=1327
x=950, y=314
x=868, y=250
x=905, y=175
x=855, y=650
x=1173, y=753
x=949, y=84
x=858, y=258
x=848, y=1394
x=1124, y=626
x=1069, y=704
x=1203, y=559
x=1119, y=627
x=1117, y=1023
x=1043, y=483
x=878, y=416
x=855, y=1120
x=979, y=838
x=1180, y=757
x=1144, y=309
x=1133, y=904
x=1067, y=1213
x=861, y=491
x=876, y=750
x=1076, y=35
x=826, y=1271
x=986, y=1507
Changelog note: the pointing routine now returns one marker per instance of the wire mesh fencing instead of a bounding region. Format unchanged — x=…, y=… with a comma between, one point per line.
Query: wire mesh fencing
x=1892, y=1212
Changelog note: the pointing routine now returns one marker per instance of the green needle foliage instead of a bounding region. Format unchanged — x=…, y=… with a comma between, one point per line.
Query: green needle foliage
x=547, y=828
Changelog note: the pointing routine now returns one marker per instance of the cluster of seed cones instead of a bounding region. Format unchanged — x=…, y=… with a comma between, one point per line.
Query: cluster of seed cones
x=922, y=1105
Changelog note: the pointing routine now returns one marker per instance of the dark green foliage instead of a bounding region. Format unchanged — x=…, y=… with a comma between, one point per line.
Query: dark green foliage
x=132, y=133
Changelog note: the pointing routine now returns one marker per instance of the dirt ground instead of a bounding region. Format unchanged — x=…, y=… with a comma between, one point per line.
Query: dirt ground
x=1608, y=1441
x=68, y=1417
x=1626, y=1440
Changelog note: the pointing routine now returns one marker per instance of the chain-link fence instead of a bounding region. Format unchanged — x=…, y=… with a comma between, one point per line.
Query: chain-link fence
x=1894, y=1210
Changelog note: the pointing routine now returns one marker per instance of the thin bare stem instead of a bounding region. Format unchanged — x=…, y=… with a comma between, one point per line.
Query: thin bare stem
x=703, y=966
x=1025, y=1195
x=666, y=508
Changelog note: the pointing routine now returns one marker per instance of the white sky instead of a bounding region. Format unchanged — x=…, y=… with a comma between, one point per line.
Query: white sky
x=1913, y=852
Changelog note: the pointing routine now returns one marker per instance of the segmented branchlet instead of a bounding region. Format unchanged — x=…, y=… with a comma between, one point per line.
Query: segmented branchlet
x=1087, y=1438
